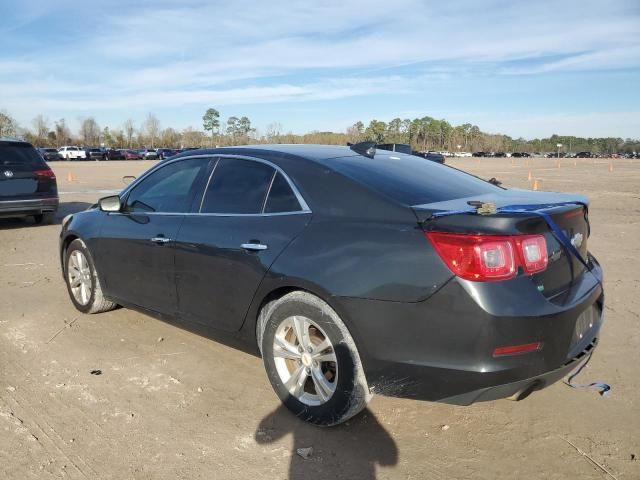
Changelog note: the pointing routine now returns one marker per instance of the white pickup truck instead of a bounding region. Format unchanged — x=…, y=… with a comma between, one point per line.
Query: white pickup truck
x=72, y=153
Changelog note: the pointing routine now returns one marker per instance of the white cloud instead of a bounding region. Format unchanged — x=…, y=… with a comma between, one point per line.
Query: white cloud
x=155, y=54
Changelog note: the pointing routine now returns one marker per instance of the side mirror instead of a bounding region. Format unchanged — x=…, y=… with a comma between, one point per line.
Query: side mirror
x=127, y=179
x=110, y=204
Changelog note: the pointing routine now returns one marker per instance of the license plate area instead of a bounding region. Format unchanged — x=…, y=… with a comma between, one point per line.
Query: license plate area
x=587, y=324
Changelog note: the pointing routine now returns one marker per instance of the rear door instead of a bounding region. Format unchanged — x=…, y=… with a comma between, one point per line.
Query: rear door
x=22, y=173
x=250, y=212
x=134, y=250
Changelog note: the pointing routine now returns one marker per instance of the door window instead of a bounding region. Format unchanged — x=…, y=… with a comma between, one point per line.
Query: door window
x=281, y=198
x=168, y=189
x=237, y=187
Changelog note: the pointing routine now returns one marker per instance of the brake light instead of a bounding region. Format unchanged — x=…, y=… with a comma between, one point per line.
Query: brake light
x=483, y=258
x=45, y=173
x=534, y=253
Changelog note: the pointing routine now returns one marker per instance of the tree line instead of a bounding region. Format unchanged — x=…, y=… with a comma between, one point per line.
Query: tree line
x=422, y=134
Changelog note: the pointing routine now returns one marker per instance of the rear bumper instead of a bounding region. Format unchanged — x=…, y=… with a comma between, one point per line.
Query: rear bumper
x=441, y=349
x=521, y=389
x=17, y=208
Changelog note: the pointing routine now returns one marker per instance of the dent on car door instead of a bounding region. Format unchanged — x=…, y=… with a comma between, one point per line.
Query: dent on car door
x=134, y=250
x=248, y=215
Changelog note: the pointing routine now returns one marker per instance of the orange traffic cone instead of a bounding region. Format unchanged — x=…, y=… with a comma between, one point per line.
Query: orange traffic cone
x=558, y=164
x=530, y=177
x=535, y=185
x=70, y=177
x=611, y=166
x=575, y=163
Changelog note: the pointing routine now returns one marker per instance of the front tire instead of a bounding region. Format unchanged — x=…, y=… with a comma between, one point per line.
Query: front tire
x=311, y=359
x=82, y=280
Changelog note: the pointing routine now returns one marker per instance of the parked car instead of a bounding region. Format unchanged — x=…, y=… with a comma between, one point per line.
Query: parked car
x=27, y=185
x=583, y=155
x=434, y=157
x=165, y=153
x=479, y=154
x=395, y=147
x=130, y=154
x=95, y=153
x=113, y=154
x=147, y=154
x=72, y=153
x=49, y=154
x=499, y=154
x=339, y=266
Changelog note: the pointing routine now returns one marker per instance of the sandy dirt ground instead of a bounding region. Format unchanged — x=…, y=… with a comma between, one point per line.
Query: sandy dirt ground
x=170, y=404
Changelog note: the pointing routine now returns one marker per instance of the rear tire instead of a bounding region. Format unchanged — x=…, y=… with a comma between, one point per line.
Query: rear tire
x=44, y=218
x=320, y=379
x=82, y=280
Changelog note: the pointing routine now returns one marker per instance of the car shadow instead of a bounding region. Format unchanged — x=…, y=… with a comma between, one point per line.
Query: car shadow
x=64, y=209
x=350, y=450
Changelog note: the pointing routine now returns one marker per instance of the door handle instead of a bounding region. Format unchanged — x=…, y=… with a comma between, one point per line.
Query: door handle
x=254, y=247
x=160, y=240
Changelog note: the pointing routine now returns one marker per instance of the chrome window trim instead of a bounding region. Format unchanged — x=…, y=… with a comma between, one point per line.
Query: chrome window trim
x=198, y=214
x=303, y=204
x=266, y=197
x=206, y=187
x=217, y=156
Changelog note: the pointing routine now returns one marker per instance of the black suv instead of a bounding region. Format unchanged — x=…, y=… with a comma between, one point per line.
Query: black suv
x=27, y=185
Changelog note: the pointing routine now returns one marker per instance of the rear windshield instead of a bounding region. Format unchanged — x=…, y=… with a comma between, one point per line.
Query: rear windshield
x=411, y=180
x=19, y=154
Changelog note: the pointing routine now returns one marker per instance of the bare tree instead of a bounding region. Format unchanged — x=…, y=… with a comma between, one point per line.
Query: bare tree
x=129, y=130
x=41, y=127
x=273, y=132
x=8, y=125
x=90, y=131
x=62, y=132
x=152, y=126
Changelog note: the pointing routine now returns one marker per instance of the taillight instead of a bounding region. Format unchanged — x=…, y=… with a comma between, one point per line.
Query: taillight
x=534, y=253
x=45, y=173
x=483, y=258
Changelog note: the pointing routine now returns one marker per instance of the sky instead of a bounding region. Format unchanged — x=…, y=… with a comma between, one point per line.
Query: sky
x=524, y=68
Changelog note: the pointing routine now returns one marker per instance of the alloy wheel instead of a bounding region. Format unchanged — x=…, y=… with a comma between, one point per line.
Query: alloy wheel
x=79, y=277
x=305, y=360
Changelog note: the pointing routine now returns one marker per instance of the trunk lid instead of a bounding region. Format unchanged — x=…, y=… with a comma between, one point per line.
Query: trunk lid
x=564, y=269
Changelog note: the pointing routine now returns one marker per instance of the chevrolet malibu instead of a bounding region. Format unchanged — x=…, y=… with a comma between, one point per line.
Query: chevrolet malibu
x=350, y=271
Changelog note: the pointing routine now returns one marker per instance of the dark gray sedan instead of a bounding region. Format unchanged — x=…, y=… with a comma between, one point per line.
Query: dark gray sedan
x=350, y=271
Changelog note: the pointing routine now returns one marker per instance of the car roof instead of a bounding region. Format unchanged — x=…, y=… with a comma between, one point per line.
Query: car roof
x=11, y=140
x=306, y=151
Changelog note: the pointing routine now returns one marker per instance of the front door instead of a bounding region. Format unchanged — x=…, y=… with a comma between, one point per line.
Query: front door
x=135, y=249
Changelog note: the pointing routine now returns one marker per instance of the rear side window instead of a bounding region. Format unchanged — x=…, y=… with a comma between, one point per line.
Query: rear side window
x=281, y=198
x=169, y=189
x=237, y=187
x=20, y=154
x=409, y=179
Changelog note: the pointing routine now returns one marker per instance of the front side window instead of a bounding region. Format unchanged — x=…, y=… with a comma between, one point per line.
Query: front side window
x=168, y=189
x=237, y=187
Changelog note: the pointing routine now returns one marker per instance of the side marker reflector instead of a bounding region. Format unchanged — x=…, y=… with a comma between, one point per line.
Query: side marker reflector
x=517, y=349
